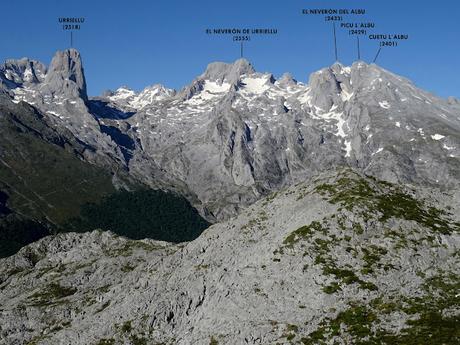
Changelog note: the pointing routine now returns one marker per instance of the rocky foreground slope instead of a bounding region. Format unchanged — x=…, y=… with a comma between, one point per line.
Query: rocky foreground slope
x=340, y=259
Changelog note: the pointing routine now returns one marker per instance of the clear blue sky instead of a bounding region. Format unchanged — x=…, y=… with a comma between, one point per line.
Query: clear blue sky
x=142, y=42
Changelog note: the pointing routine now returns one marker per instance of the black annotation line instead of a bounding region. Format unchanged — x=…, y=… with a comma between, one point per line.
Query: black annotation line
x=377, y=55
x=71, y=24
x=359, y=49
x=335, y=42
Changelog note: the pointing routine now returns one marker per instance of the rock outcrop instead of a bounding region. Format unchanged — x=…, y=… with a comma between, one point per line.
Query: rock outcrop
x=342, y=258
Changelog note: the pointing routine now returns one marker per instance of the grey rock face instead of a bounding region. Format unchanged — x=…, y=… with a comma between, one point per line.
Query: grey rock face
x=66, y=76
x=320, y=256
x=220, y=71
x=237, y=140
x=23, y=71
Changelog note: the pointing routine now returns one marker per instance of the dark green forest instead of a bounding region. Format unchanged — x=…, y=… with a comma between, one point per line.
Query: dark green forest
x=138, y=214
x=17, y=232
x=142, y=214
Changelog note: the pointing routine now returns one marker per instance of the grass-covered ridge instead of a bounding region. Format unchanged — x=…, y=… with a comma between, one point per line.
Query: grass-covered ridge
x=367, y=196
x=378, y=232
x=431, y=318
x=318, y=242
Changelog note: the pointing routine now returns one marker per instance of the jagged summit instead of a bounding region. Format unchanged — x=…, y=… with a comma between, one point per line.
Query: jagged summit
x=337, y=64
x=227, y=72
x=66, y=74
x=16, y=73
x=218, y=77
x=127, y=97
x=453, y=100
x=259, y=134
x=31, y=81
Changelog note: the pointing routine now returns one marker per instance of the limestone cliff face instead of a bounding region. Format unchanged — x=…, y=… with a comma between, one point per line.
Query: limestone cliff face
x=341, y=258
x=239, y=134
x=66, y=76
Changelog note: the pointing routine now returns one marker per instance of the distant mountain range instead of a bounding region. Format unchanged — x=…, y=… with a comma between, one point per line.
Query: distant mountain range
x=235, y=135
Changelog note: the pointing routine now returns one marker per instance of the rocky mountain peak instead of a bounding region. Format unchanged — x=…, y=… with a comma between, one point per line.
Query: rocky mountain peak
x=122, y=93
x=125, y=96
x=22, y=71
x=363, y=74
x=219, y=76
x=287, y=79
x=228, y=72
x=325, y=87
x=233, y=127
x=154, y=93
x=453, y=100
x=66, y=75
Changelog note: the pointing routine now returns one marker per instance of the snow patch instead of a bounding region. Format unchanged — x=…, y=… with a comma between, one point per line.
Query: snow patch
x=340, y=121
x=348, y=148
x=212, y=89
x=256, y=85
x=346, y=96
x=437, y=137
x=28, y=76
x=378, y=151
x=305, y=98
x=384, y=105
x=122, y=93
x=448, y=147
x=54, y=113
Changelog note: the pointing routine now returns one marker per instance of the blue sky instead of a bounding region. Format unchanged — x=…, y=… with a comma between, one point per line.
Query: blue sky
x=142, y=42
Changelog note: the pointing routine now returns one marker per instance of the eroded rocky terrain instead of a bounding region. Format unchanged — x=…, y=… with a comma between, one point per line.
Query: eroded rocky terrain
x=342, y=258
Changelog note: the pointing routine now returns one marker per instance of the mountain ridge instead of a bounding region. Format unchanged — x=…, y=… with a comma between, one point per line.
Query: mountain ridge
x=234, y=135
